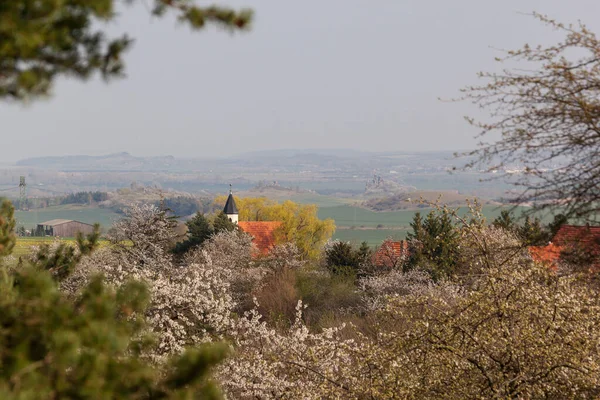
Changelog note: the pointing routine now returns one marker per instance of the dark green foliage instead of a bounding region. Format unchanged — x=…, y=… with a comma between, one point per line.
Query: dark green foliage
x=505, y=221
x=416, y=239
x=221, y=223
x=327, y=294
x=43, y=39
x=364, y=252
x=532, y=232
x=61, y=260
x=182, y=206
x=7, y=227
x=90, y=348
x=341, y=256
x=433, y=244
x=84, y=198
x=200, y=229
x=558, y=221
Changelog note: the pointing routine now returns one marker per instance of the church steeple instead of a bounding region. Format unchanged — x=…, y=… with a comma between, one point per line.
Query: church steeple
x=230, y=208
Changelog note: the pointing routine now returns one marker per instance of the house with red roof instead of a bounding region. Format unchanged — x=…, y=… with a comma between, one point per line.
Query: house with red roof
x=391, y=254
x=584, y=240
x=262, y=232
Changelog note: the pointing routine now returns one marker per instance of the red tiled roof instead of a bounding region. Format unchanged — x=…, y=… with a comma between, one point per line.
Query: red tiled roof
x=547, y=255
x=568, y=238
x=391, y=253
x=587, y=237
x=263, y=233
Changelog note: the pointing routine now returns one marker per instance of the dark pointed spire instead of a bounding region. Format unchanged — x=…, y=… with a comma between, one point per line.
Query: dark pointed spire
x=230, y=207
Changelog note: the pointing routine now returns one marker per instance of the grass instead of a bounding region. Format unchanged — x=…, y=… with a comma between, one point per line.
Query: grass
x=89, y=215
x=352, y=216
x=349, y=220
x=373, y=237
x=25, y=244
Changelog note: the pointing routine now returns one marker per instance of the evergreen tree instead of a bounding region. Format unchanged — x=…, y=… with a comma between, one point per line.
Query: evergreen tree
x=553, y=227
x=416, y=239
x=532, y=233
x=341, y=254
x=221, y=223
x=433, y=244
x=8, y=238
x=62, y=258
x=54, y=348
x=364, y=252
x=44, y=39
x=199, y=230
x=505, y=221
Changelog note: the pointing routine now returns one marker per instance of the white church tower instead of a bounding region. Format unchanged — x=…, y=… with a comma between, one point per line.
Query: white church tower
x=230, y=208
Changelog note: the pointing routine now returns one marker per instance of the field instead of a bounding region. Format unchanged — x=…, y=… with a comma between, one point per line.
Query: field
x=373, y=237
x=350, y=219
x=25, y=244
x=354, y=223
x=89, y=215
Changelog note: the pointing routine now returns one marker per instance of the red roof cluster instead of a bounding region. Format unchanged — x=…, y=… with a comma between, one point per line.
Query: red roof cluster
x=584, y=238
x=391, y=253
x=263, y=233
x=547, y=255
x=587, y=236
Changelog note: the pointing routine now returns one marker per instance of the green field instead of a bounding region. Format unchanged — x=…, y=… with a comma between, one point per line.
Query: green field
x=373, y=237
x=396, y=223
x=348, y=216
x=89, y=215
x=24, y=245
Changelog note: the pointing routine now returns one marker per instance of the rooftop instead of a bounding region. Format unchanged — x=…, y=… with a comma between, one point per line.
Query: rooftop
x=263, y=233
x=391, y=253
x=230, y=207
x=55, y=222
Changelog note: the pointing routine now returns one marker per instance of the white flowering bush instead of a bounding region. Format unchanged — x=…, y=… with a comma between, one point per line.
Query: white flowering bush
x=189, y=304
x=294, y=364
x=513, y=330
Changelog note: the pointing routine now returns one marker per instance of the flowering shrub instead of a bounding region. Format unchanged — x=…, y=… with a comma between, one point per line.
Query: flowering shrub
x=513, y=329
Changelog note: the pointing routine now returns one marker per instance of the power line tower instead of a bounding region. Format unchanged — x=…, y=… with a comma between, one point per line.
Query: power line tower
x=22, y=193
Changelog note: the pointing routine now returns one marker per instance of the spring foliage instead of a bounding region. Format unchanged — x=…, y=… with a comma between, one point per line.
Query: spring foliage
x=300, y=223
x=503, y=327
x=90, y=347
x=545, y=109
x=7, y=227
x=41, y=40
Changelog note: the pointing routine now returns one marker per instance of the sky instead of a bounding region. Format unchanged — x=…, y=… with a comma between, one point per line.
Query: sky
x=354, y=74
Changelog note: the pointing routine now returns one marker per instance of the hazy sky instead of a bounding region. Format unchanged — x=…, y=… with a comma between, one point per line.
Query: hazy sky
x=311, y=74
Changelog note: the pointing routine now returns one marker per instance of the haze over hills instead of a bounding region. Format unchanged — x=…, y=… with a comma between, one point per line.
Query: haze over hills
x=330, y=158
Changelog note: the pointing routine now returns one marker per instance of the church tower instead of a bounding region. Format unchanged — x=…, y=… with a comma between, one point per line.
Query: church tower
x=230, y=208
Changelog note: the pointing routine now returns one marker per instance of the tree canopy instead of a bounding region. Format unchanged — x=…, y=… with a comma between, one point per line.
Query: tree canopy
x=41, y=40
x=7, y=227
x=300, y=222
x=546, y=110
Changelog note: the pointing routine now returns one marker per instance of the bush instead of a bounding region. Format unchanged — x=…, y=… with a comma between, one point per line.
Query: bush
x=339, y=256
x=277, y=298
x=51, y=347
x=325, y=294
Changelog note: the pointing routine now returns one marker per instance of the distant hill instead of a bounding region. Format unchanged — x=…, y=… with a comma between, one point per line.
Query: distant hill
x=289, y=153
x=118, y=161
x=336, y=161
x=405, y=201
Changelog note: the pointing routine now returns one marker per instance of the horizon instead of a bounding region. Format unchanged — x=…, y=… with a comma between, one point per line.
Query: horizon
x=373, y=87
x=303, y=151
